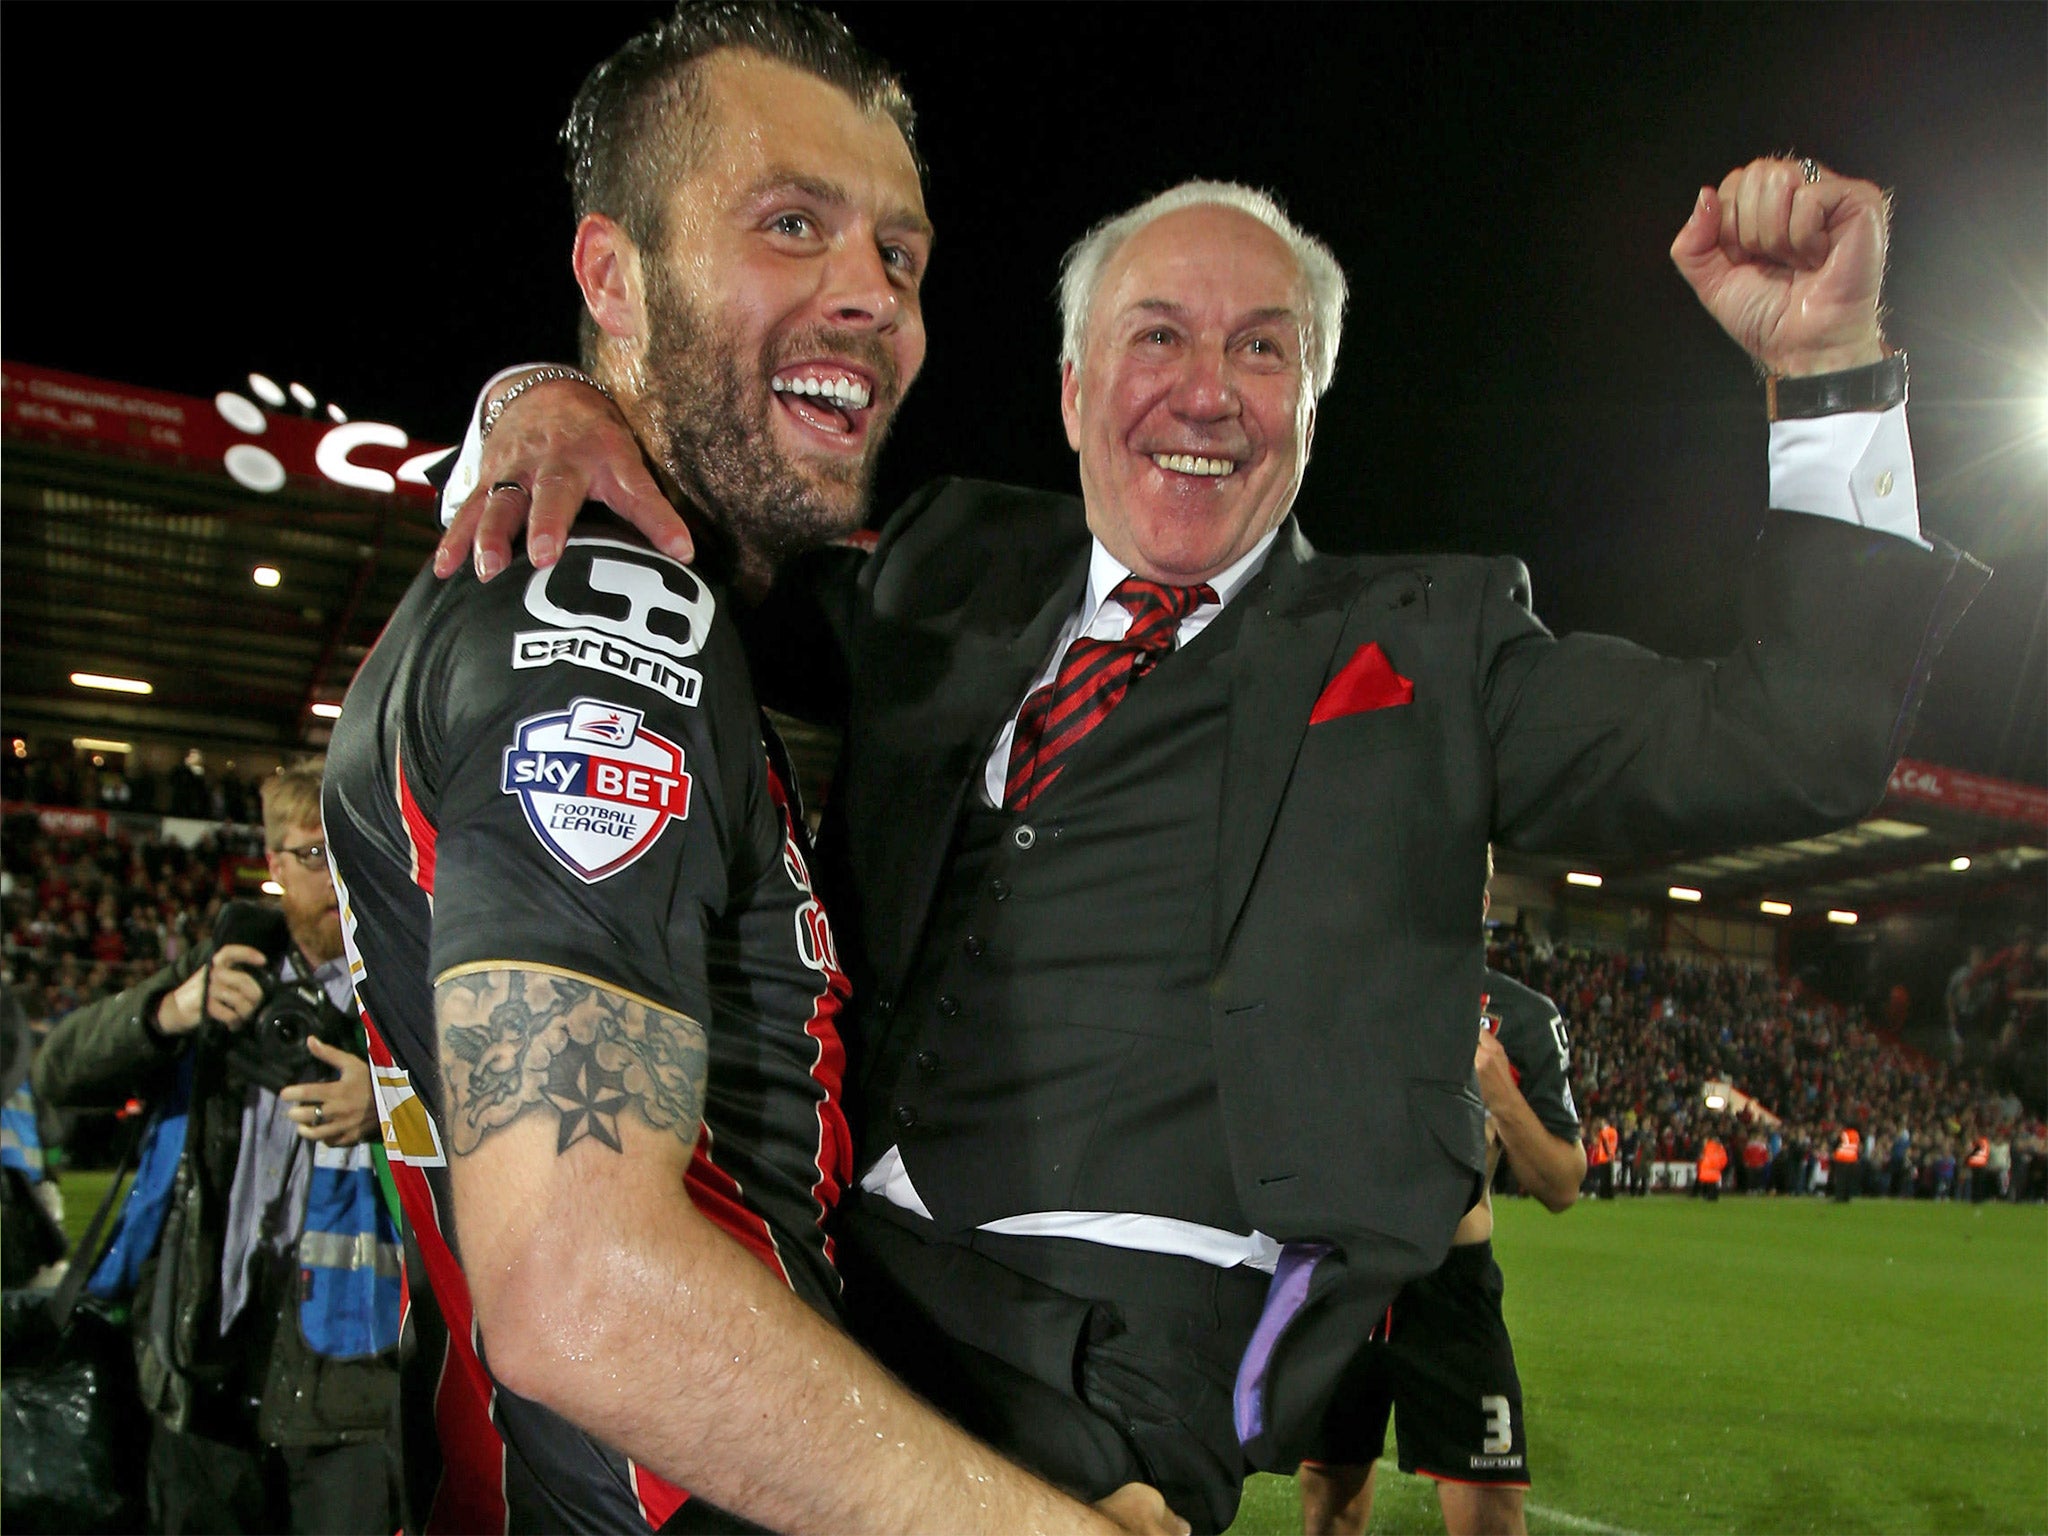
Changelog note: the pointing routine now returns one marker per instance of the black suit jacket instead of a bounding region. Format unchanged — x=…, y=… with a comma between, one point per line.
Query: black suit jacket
x=1350, y=855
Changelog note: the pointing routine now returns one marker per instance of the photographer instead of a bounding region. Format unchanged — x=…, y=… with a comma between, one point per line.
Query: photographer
x=255, y=1243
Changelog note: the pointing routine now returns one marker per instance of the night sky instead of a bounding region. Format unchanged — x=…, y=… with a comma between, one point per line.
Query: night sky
x=369, y=199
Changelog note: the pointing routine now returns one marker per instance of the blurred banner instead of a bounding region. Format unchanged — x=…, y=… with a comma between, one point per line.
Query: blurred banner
x=1974, y=794
x=260, y=449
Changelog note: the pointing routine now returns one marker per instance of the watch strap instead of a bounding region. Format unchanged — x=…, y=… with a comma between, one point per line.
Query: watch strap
x=1874, y=387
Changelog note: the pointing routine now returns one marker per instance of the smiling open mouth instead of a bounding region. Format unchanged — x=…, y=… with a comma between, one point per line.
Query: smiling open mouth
x=1194, y=464
x=832, y=401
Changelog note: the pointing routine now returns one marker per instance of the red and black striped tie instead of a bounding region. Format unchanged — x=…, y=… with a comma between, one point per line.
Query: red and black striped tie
x=1092, y=680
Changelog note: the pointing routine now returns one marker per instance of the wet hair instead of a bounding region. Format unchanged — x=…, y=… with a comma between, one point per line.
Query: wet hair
x=639, y=121
x=291, y=799
x=1082, y=267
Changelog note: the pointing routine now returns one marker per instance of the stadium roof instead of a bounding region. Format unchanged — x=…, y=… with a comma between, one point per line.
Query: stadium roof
x=1940, y=837
x=135, y=523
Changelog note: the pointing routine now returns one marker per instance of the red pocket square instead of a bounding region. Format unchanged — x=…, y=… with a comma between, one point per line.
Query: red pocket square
x=1368, y=681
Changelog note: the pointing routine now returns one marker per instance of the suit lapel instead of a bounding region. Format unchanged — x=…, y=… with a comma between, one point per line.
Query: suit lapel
x=977, y=692
x=1282, y=657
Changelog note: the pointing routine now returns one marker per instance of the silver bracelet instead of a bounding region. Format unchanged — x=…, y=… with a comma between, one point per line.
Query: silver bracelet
x=548, y=375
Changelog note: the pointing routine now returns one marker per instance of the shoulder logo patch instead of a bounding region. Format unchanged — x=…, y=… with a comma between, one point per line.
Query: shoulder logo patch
x=597, y=786
x=410, y=1135
x=622, y=609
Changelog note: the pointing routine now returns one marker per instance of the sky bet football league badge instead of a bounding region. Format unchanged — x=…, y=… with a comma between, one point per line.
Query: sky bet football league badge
x=597, y=786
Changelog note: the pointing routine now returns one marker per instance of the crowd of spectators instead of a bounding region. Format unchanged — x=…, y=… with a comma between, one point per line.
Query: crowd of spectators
x=91, y=914
x=1996, y=1010
x=1651, y=1032
x=192, y=788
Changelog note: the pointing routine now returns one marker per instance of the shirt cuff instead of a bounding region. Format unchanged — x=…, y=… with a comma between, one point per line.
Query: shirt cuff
x=468, y=469
x=1856, y=466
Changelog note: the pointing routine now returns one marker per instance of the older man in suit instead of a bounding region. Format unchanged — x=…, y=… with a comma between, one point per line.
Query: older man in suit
x=1156, y=834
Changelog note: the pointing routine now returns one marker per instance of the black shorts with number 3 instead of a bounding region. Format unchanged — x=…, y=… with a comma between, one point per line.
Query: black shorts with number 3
x=1442, y=1363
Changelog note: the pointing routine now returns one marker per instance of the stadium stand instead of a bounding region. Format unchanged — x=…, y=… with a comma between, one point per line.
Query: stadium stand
x=1676, y=1049
x=90, y=911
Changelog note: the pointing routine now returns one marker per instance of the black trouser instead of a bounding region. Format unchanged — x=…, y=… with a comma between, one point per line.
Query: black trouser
x=1093, y=1366
x=201, y=1485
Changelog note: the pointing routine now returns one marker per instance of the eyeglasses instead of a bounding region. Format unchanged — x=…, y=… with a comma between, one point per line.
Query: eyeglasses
x=310, y=856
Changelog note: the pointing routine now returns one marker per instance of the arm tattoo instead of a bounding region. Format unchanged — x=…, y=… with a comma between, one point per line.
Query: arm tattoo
x=514, y=1040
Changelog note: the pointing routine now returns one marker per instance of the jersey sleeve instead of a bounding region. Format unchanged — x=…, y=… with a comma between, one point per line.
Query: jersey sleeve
x=597, y=771
x=1532, y=1032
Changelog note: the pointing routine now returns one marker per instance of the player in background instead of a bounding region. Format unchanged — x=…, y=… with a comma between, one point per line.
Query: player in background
x=1442, y=1360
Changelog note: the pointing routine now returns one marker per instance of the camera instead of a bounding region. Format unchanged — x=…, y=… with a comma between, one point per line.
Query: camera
x=270, y=1049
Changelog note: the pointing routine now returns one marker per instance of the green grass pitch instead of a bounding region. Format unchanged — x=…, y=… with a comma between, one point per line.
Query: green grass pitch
x=1768, y=1366
x=1765, y=1366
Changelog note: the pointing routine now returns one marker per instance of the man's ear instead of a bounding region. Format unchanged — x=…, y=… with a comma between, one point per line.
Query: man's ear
x=607, y=267
x=1070, y=403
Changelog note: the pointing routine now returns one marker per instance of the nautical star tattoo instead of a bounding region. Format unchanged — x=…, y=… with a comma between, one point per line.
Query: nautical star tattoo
x=514, y=1040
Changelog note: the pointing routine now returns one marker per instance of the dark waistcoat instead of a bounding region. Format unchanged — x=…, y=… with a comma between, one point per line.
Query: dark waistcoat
x=1050, y=1049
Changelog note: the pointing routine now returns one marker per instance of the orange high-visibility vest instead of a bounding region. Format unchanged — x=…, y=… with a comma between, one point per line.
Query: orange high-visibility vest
x=1713, y=1159
x=1849, y=1147
x=1604, y=1144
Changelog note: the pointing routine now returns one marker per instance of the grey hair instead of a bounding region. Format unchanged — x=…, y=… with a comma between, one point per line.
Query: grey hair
x=1081, y=268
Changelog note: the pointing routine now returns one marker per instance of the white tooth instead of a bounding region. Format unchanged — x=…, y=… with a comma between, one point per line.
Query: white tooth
x=777, y=385
x=860, y=395
x=813, y=387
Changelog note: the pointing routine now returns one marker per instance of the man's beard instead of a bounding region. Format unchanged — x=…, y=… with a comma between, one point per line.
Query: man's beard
x=711, y=430
x=315, y=929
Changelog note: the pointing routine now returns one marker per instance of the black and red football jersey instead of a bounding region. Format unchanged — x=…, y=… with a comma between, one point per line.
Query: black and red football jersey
x=1531, y=1030
x=567, y=769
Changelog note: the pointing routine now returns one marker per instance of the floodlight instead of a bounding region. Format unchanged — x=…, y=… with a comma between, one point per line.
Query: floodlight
x=112, y=684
